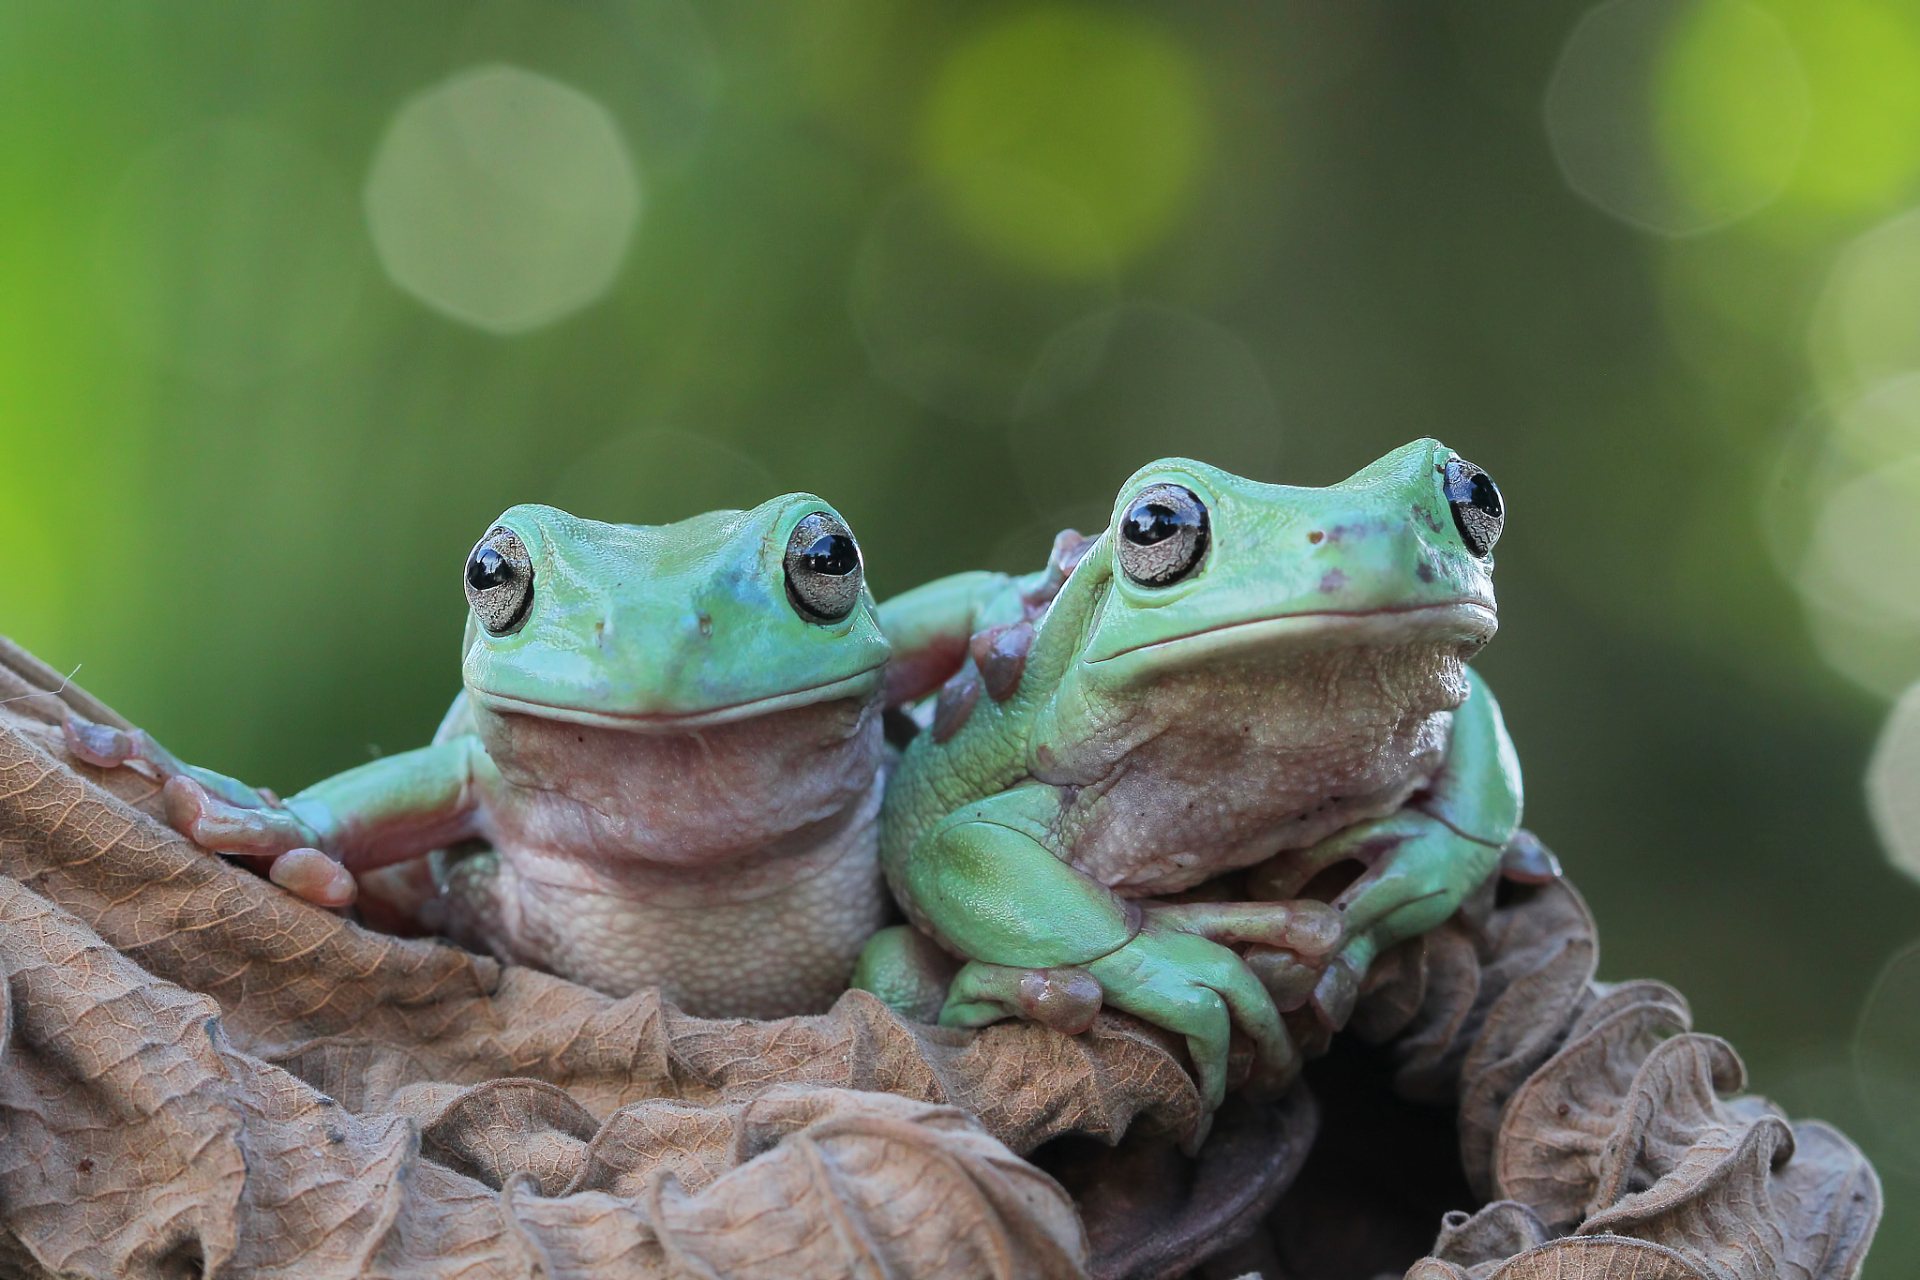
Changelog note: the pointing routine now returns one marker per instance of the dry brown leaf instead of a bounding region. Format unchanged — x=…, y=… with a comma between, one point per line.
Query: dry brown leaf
x=136, y=1141
x=1593, y=1109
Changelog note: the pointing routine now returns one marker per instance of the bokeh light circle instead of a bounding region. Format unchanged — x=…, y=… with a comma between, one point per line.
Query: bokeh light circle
x=1866, y=324
x=1862, y=59
x=1886, y=1057
x=659, y=476
x=1056, y=111
x=503, y=198
x=1116, y=390
x=1866, y=543
x=1842, y=518
x=651, y=63
x=1893, y=784
x=1678, y=116
x=231, y=253
x=954, y=328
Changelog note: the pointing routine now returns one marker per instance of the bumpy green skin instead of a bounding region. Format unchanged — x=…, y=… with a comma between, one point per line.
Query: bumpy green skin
x=1302, y=694
x=679, y=773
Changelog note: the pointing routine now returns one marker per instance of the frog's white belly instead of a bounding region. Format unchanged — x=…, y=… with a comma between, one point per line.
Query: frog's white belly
x=781, y=949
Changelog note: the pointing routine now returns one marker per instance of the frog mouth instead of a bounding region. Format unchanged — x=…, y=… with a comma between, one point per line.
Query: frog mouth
x=855, y=685
x=1465, y=621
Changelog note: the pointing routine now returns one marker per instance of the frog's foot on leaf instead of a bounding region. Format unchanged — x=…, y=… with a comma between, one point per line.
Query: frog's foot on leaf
x=311, y=874
x=1065, y=998
x=220, y=813
x=1200, y=990
x=106, y=747
x=1420, y=870
x=217, y=824
x=269, y=840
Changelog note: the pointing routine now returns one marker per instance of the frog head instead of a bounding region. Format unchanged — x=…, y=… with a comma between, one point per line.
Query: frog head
x=1220, y=618
x=1204, y=562
x=724, y=617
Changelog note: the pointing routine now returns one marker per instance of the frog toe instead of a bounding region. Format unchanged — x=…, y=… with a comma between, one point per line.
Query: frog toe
x=215, y=824
x=1065, y=998
x=1201, y=991
x=312, y=875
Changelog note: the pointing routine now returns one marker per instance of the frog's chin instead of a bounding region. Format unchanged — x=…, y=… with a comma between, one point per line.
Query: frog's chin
x=859, y=685
x=1467, y=623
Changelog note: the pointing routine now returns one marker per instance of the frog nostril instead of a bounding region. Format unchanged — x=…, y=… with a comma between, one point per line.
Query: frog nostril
x=704, y=621
x=1316, y=537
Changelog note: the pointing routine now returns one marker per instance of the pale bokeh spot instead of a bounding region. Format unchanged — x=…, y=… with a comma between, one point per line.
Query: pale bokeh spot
x=1678, y=116
x=1893, y=784
x=1866, y=325
x=1866, y=543
x=1886, y=1056
x=503, y=198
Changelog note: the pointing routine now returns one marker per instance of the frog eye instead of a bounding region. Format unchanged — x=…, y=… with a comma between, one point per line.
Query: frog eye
x=1163, y=536
x=1477, y=510
x=823, y=568
x=500, y=581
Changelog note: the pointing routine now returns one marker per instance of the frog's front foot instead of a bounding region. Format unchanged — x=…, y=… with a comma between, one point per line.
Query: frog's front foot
x=221, y=814
x=1419, y=872
x=1200, y=990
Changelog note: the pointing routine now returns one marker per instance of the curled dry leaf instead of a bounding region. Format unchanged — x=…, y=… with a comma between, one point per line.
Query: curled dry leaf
x=135, y=1140
x=1604, y=1125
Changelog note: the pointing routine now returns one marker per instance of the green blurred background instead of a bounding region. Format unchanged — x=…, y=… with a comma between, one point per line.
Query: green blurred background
x=298, y=296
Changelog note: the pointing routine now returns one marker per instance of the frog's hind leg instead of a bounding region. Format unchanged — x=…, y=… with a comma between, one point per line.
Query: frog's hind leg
x=907, y=970
x=1064, y=998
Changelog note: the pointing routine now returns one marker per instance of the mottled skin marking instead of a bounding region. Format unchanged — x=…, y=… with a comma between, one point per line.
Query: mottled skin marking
x=1299, y=698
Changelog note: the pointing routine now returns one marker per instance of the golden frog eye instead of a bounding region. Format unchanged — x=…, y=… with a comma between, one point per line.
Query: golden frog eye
x=1478, y=512
x=499, y=581
x=1163, y=536
x=823, y=568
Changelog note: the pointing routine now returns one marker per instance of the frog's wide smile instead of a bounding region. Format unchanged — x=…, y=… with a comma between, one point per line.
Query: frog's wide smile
x=1469, y=620
x=855, y=685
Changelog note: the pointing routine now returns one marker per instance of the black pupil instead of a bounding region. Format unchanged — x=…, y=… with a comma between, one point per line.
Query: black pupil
x=832, y=554
x=488, y=569
x=1152, y=522
x=1482, y=494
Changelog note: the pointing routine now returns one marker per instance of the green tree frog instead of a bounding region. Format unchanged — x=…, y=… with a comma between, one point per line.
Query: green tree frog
x=1235, y=687
x=665, y=767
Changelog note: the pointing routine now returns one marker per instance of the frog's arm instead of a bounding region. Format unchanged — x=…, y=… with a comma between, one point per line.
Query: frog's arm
x=988, y=884
x=395, y=808
x=368, y=817
x=928, y=628
x=1429, y=857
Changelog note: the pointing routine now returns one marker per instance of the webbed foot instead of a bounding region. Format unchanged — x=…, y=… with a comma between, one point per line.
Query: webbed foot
x=1200, y=990
x=221, y=814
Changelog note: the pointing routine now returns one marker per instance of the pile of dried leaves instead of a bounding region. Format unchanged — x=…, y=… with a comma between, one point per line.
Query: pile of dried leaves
x=200, y=1075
